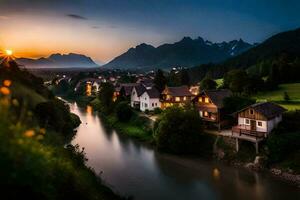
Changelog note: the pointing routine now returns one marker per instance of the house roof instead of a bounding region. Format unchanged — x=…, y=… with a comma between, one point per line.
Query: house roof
x=178, y=91
x=217, y=96
x=153, y=93
x=267, y=109
x=140, y=89
x=128, y=87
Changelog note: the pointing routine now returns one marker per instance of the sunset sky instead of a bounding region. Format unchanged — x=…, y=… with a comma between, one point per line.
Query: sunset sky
x=103, y=29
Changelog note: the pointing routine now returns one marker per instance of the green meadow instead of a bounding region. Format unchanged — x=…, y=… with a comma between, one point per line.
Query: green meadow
x=293, y=91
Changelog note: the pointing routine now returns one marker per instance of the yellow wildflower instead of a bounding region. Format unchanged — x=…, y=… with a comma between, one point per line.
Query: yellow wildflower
x=43, y=131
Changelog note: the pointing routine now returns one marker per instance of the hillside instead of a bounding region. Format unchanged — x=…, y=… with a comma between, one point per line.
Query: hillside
x=187, y=52
x=35, y=127
x=282, y=49
x=59, y=61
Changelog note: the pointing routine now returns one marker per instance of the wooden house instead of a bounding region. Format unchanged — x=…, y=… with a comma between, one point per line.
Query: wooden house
x=210, y=105
x=255, y=122
x=176, y=96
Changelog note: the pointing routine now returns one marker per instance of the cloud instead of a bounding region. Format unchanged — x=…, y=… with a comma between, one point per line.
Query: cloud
x=74, y=16
x=95, y=27
x=3, y=17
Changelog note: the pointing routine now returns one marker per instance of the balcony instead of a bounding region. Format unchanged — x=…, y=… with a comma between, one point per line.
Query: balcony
x=245, y=132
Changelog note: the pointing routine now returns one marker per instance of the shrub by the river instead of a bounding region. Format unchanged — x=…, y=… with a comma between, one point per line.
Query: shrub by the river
x=123, y=112
x=180, y=130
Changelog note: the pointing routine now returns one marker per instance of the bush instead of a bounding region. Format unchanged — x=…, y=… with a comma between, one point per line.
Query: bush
x=157, y=111
x=147, y=111
x=180, y=131
x=123, y=112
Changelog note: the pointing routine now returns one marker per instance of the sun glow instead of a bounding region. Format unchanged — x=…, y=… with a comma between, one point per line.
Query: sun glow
x=8, y=52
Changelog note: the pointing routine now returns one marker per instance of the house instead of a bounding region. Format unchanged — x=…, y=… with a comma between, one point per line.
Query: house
x=176, y=96
x=255, y=122
x=150, y=99
x=126, y=89
x=210, y=105
x=136, y=92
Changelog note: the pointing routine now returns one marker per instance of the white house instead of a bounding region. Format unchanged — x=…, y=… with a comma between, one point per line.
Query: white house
x=255, y=122
x=136, y=92
x=149, y=100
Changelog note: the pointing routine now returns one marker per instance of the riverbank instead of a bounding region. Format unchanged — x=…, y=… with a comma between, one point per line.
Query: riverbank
x=246, y=158
x=137, y=127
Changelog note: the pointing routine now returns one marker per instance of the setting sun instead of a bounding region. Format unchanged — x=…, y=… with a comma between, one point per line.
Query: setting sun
x=8, y=52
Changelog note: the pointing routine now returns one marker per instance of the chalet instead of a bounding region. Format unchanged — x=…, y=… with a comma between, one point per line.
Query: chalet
x=210, y=105
x=150, y=99
x=256, y=122
x=176, y=96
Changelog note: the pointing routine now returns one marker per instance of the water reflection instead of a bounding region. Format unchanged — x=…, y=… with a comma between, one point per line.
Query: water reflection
x=134, y=169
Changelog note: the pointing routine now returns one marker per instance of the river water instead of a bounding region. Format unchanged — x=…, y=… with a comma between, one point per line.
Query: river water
x=132, y=168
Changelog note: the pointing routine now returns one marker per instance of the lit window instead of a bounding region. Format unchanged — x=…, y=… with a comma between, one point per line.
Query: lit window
x=177, y=98
x=200, y=99
x=247, y=121
x=206, y=100
x=184, y=98
x=259, y=123
x=205, y=114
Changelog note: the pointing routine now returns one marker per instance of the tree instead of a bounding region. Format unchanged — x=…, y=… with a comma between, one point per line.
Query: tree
x=106, y=96
x=286, y=97
x=123, y=112
x=160, y=80
x=179, y=130
x=236, y=80
x=208, y=84
x=184, y=77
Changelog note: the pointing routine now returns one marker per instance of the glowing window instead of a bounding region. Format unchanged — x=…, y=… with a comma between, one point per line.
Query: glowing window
x=206, y=100
x=200, y=99
x=177, y=98
x=205, y=114
x=184, y=98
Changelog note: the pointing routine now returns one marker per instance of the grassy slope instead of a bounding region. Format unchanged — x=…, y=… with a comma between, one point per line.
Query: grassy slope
x=293, y=90
x=27, y=94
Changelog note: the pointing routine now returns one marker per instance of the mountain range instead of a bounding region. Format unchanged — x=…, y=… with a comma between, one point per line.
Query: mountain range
x=187, y=52
x=70, y=60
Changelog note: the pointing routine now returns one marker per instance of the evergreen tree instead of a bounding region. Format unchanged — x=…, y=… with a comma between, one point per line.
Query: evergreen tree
x=160, y=80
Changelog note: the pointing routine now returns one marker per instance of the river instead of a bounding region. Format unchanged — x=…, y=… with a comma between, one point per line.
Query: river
x=132, y=168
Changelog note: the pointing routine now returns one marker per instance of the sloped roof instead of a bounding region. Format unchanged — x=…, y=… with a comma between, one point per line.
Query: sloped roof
x=128, y=87
x=218, y=96
x=267, y=109
x=140, y=89
x=153, y=93
x=178, y=91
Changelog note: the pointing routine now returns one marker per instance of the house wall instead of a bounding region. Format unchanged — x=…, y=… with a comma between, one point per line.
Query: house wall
x=148, y=103
x=267, y=126
x=134, y=97
x=205, y=106
x=247, y=114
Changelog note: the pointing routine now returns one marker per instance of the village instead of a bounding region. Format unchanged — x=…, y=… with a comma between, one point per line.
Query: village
x=252, y=123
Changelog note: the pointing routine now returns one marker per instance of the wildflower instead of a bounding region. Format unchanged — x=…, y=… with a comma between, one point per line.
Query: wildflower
x=40, y=137
x=43, y=131
x=29, y=133
x=4, y=91
x=15, y=102
x=7, y=83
